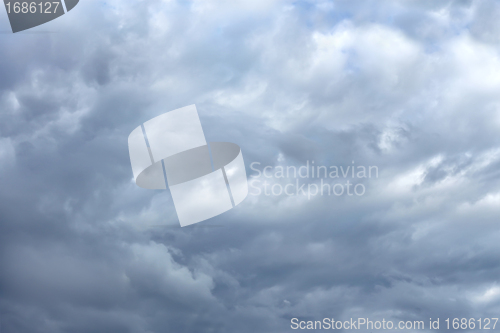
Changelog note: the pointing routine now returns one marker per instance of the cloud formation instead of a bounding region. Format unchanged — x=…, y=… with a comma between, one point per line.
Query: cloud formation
x=409, y=87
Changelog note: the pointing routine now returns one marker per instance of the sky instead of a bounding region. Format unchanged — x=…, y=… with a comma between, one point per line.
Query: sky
x=411, y=87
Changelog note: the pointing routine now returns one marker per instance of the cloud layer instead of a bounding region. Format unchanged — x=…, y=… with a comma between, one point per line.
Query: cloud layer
x=410, y=87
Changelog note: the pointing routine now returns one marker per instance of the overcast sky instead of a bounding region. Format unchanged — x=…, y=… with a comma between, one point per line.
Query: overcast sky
x=412, y=87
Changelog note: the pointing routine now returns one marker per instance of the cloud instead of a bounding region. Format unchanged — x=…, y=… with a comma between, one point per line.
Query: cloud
x=408, y=87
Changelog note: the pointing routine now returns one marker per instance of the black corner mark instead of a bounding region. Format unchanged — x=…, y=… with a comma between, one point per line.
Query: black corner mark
x=70, y=4
x=26, y=14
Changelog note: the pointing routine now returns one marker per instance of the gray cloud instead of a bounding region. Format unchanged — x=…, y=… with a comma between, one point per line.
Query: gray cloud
x=409, y=87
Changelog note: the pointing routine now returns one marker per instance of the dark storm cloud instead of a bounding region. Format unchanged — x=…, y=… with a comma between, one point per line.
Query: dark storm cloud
x=411, y=88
